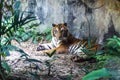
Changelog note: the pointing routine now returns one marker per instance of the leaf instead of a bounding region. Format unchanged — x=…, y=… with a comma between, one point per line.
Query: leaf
x=5, y=49
x=119, y=50
x=33, y=60
x=67, y=77
x=89, y=42
x=9, y=47
x=113, y=45
x=3, y=54
x=6, y=66
x=16, y=5
x=97, y=74
x=22, y=52
x=46, y=31
x=7, y=53
x=114, y=36
x=118, y=43
x=34, y=76
x=34, y=40
x=3, y=40
x=29, y=20
x=85, y=50
x=51, y=54
x=48, y=37
x=25, y=36
x=100, y=52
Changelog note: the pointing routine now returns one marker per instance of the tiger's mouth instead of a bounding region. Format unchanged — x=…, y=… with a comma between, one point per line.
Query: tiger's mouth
x=63, y=38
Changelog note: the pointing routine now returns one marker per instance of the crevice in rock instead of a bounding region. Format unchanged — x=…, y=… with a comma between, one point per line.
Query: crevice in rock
x=111, y=32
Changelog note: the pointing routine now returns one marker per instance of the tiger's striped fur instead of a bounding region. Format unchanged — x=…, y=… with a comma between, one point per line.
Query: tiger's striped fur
x=64, y=42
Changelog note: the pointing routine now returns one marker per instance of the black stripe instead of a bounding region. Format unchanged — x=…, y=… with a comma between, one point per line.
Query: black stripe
x=49, y=47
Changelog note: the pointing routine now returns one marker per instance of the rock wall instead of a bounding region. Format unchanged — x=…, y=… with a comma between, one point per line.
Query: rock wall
x=96, y=18
x=107, y=18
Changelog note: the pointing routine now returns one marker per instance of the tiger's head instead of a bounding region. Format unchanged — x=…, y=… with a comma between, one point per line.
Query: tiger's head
x=60, y=31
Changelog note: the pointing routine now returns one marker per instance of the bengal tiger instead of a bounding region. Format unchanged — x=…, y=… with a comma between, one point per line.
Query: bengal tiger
x=64, y=42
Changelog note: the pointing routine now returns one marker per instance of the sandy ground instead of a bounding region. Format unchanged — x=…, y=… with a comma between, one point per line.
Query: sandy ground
x=35, y=66
x=63, y=68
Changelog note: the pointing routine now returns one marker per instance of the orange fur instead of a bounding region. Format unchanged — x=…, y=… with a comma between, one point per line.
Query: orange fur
x=61, y=33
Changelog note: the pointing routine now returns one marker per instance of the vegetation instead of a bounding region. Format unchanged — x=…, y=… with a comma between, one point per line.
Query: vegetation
x=15, y=25
x=97, y=74
x=49, y=62
x=111, y=49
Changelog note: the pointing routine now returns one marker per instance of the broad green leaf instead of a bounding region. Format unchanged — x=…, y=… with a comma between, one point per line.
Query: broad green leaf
x=10, y=47
x=3, y=54
x=97, y=74
x=114, y=36
x=3, y=40
x=6, y=66
x=7, y=53
x=118, y=43
x=119, y=51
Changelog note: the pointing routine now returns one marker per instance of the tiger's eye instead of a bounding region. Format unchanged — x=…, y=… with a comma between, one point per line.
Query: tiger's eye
x=56, y=30
x=62, y=30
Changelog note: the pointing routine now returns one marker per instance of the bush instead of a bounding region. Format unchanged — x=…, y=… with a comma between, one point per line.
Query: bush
x=110, y=49
x=11, y=24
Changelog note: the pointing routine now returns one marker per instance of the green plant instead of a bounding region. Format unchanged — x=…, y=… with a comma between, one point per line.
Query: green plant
x=25, y=33
x=113, y=46
x=37, y=36
x=47, y=34
x=87, y=51
x=32, y=33
x=10, y=24
x=110, y=49
x=49, y=62
x=34, y=73
x=97, y=74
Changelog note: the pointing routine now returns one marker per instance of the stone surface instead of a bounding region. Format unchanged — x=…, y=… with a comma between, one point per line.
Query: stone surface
x=84, y=17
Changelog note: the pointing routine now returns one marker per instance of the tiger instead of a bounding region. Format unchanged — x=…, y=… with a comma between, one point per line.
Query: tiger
x=64, y=42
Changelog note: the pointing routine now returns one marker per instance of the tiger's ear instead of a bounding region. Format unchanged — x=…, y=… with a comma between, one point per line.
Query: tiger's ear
x=65, y=24
x=53, y=25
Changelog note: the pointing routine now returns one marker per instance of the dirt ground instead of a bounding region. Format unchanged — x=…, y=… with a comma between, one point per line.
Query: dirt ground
x=63, y=68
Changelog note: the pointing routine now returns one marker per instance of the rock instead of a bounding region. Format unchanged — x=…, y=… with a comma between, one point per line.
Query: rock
x=84, y=17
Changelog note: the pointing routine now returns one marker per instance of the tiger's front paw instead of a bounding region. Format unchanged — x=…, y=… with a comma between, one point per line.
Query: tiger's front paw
x=40, y=48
